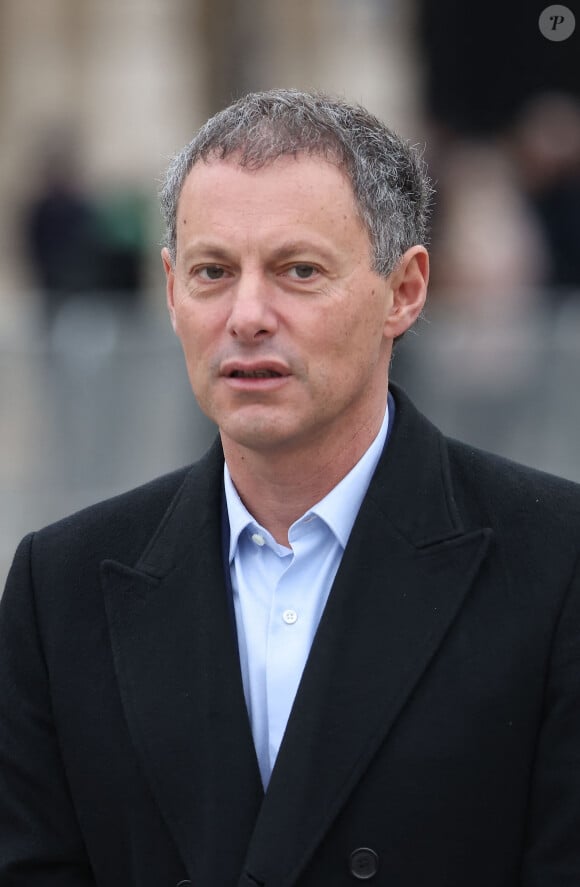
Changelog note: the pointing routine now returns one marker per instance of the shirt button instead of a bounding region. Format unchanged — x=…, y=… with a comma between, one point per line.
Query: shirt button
x=258, y=539
x=289, y=616
x=364, y=863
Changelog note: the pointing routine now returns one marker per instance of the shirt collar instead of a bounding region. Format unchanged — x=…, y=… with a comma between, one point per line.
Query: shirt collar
x=238, y=515
x=338, y=509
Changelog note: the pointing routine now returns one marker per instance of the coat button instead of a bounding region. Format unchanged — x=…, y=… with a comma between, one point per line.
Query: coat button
x=364, y=863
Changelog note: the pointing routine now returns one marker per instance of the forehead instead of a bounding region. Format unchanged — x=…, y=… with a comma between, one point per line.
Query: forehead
x=302, y=189
x=284, y=168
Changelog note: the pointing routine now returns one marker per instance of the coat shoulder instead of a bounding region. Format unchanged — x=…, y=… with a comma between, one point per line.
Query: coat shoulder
x=135, y=508
x=121, y=526
x=521, y=505
x=508, y=492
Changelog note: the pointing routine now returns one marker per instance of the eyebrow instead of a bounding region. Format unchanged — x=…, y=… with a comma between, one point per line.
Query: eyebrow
x=284, y=251
x=211, y=250
x=296, y=247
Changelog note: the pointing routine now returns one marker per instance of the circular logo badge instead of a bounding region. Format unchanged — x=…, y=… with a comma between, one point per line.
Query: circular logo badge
x=557, y=23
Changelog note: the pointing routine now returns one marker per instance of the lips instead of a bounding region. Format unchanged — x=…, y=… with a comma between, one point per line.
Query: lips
x=262, y=369
x=256, y=378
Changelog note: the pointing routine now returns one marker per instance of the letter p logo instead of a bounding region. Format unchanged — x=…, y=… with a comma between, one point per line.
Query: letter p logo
x=557, y=23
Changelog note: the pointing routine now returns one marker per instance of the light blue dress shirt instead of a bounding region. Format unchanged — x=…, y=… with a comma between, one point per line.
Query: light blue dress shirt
x=280, y=593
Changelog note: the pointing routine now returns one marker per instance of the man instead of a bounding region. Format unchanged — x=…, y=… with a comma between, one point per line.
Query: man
x=350, y=652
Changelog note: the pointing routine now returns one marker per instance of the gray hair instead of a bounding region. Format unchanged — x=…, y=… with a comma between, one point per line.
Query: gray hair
x=387, y=174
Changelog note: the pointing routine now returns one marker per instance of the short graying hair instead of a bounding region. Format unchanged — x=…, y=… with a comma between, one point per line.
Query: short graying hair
x=387, y=174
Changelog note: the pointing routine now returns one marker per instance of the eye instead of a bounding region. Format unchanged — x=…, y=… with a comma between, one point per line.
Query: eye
x=211, y=272
x=302, y=271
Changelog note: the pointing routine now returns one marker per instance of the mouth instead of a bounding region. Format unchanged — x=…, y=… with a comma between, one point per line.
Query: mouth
x=259, y=376
x=255, y=374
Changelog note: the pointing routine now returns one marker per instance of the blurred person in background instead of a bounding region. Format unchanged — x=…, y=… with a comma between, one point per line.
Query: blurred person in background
x=341, y=646
x=60, y=232
x=121, y=237
x=87, y=252
x=545, y=145
x=504, y=149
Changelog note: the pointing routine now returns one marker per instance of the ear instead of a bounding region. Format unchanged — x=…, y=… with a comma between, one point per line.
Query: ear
x=408, y=284
x=169, y=285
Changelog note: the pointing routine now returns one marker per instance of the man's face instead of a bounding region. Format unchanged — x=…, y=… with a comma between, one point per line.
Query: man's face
x=286, y=330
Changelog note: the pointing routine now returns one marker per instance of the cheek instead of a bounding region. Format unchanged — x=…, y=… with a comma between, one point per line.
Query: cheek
x=352, y=336
x=197, y=331
x=334, y=356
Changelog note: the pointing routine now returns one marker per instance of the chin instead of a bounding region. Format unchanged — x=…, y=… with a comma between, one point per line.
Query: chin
x=258, y=435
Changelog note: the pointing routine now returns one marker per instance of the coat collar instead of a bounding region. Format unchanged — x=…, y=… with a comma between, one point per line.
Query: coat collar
x=406, y=570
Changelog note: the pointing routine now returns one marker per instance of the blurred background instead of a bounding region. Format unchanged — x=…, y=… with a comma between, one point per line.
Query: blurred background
x=96, y=96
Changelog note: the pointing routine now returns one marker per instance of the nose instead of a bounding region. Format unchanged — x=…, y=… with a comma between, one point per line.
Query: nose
x=252, y=316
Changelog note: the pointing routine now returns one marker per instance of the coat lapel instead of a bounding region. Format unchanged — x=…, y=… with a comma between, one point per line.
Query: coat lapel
x=407, y=568
x=179, y=677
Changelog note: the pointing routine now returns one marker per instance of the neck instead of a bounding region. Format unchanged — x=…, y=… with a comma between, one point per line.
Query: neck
x=278, y=487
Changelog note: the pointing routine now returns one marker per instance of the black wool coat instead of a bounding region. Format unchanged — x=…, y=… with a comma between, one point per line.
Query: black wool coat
x=435, y=737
